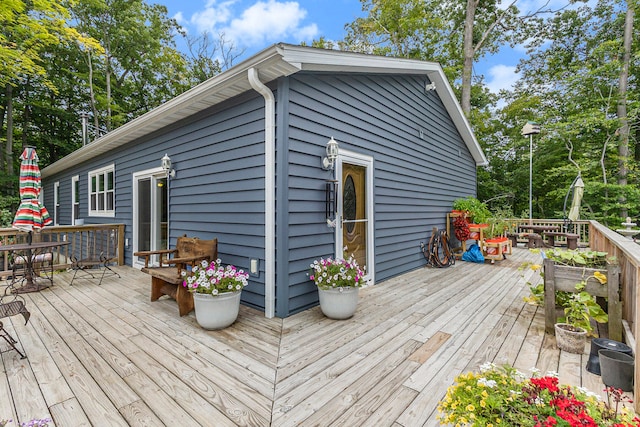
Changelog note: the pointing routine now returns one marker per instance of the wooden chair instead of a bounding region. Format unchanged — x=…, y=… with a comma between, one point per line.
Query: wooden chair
x=96, y=255
x=10, y=305
x=166, y=278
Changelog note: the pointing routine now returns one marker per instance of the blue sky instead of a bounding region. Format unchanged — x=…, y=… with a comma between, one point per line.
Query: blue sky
x=256, y=24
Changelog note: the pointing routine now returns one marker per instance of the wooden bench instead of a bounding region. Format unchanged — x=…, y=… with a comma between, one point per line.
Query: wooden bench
x=166, y=278
x=534, y=241
x=572, y=239
x=514, y=239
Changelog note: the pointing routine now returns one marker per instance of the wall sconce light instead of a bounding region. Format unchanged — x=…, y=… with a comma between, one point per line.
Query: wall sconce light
x=166, y=166
x=331, y=205
x=332, y=154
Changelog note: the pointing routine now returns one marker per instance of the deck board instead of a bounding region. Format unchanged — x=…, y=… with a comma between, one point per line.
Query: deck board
x=107, y=355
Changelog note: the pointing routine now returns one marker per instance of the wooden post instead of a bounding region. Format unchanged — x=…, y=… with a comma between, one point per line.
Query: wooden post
x=549, y=297
x=614, y=305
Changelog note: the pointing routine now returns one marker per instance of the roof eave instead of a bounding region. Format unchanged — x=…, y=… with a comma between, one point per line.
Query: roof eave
x=226, y=85
x=276, y=61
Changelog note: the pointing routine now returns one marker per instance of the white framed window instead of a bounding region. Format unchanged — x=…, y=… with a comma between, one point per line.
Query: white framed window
x=75, y=199
x=56, y=203
x=102, y=192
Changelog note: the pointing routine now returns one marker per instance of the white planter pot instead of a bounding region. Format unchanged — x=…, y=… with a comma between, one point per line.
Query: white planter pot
x=217, y=312
x=340, y=303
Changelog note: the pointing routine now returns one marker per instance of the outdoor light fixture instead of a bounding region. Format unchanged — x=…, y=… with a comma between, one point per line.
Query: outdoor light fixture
x=332, y=154
x=166, y=166
x=331, y=202
x=430, y=87
x=530, y=129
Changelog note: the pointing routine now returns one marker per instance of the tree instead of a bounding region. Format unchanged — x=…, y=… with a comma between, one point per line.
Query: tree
x=455, y=33
x=621, y=111
x=140, y=67
x=28, y=29
x=571, y=85
x=208, y=57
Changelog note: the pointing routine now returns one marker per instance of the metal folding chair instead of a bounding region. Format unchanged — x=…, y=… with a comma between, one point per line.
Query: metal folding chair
x=10, y=305
x=99, y=251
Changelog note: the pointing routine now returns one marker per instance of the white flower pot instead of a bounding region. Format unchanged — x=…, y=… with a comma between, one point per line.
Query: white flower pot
x=339, y=303
x=217, y=312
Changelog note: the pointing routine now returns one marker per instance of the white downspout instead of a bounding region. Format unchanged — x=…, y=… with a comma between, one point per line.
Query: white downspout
x=269, y=192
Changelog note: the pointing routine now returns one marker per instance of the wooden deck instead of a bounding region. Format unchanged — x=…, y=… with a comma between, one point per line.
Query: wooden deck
x=107, y=356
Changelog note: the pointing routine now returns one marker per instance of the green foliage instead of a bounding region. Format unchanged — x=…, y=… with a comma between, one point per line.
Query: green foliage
x=570, y=84
x=579, y=258
x=8, y=207
x=28, y=29
x=477, y=210
x=580, y=309
x=503, y=396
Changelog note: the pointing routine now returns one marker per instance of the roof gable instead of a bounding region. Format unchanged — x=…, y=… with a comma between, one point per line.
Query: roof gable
x=277, y=61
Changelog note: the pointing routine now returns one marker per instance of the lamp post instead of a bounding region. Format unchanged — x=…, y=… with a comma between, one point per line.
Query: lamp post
x=530, y=129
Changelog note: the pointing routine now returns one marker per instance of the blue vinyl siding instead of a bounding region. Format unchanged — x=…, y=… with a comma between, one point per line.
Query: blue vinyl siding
x=218, y=191
x=415, y=177
x=421, y=165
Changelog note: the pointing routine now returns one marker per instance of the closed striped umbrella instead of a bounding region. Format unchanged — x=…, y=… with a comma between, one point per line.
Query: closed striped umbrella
x=31, y=214
x=578, y=191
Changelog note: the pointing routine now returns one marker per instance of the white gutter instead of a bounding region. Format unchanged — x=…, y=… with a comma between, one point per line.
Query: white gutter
x=269, y=191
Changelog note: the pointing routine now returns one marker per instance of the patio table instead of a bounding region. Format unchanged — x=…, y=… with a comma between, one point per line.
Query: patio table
x=538, y=229
x=29, y=253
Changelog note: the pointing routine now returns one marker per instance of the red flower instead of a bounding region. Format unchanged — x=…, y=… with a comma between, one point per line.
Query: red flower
x=546, y=383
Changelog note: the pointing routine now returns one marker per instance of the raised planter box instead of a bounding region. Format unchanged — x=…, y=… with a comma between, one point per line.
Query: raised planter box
x=497, y=248
x=565, y=278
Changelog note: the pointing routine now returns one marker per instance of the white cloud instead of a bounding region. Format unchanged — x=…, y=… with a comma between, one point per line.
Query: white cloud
x=213, y=15
x=263, y=22
x=269, y=21
x=501, y=77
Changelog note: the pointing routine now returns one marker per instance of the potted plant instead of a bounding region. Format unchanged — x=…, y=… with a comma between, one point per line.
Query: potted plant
x=595, y=274
x=476, y=211
x=338, y=281
x=216, y=292
x=572, y=330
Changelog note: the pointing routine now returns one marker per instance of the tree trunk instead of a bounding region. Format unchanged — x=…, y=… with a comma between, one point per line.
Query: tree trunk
x=4, y=111
x=92, y=99
x=621, y=111
x=108, y=84
x=468, y=50
x=9, y=145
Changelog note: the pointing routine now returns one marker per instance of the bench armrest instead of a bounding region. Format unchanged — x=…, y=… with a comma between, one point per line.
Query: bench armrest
x=158, y=252
x=148, y=254
x=185, y=260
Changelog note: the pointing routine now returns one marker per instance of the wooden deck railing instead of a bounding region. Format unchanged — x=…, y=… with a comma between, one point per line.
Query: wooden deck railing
x=627, y=256
x=83, y=239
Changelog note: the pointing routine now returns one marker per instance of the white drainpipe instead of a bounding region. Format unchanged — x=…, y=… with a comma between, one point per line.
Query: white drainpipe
x=269, y=191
